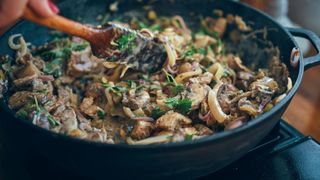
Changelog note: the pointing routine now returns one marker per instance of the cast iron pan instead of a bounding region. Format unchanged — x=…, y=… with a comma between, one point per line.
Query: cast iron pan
x=177, y=160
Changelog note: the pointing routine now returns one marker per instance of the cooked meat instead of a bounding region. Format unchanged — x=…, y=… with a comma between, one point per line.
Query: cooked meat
x=68, y=119
x=203, y=130
x=172, y=120
x=196, y=94
x=142, y=129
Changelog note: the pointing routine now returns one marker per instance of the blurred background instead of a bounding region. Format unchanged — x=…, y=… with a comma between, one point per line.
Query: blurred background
x=303, y=112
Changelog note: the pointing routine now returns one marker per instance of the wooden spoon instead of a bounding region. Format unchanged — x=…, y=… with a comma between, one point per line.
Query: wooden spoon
x=147, y=54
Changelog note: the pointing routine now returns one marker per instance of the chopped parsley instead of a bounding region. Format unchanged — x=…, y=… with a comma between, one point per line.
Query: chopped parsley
x=58, y=56
x=170, y=78
x=101, y=114
x=126, y=42
x=178, y=88
x=193, y=50
x=118, y=90
x=41, y=110
x=188, y=137
x=132, y=84
x=157, y=112
x=180, y=105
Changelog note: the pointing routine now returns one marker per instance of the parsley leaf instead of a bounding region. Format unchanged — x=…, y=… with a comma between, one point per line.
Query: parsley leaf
x=101, y=114
x=188, y=137
x=132, y=84
x=182, y=106
x=178, y=89
x=157, y=112
x=170, y=78
x=125, y=41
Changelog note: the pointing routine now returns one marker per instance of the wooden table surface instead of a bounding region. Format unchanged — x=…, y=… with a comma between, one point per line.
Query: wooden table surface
x=304, y=112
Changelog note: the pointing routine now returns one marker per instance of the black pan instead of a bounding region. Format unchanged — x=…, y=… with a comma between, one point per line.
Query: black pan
x=177, y=160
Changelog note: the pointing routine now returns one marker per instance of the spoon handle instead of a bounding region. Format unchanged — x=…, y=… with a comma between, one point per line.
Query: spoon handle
x=60, y=23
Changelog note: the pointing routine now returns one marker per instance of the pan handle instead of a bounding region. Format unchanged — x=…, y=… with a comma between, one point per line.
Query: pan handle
x=315, y=41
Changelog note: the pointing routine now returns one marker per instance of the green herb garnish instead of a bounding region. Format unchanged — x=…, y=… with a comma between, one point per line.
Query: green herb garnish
x=188, y=137
x=115, y=89
x=41, y=110
x=183, y=105
x=157, y=112
x=170, y=78
x=132, y=84
x=101, y=114
x=178, y=89
x=125, y=42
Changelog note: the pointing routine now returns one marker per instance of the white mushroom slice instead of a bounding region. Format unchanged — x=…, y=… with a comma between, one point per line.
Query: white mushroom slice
x=214, y=105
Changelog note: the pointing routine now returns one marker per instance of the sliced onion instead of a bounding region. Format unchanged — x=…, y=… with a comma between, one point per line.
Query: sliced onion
x=289, y=85
x=11, y=43
x=150, y=119
x=182, y=76
x=278, y=99
x=127, y=111
x=206, y=117
x=214, y=105
x=172, y=56
x=110, y=65
x=147, y=32
x=294, y=57
x=170, y=70
x=151, y=140
x=217, y=70
x=124, y=70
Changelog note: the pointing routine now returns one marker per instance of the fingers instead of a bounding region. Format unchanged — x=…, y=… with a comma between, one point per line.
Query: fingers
x=44, y=8
x=10, y=11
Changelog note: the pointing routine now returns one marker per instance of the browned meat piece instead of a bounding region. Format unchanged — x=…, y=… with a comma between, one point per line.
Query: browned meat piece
x=185, y=67
x=280, y=73
x=142, y=130
x=136, y=101
x=235, y=63
x=196, y=94
x=172, y=120
x=68, y=119
x=266, y=85
x=84, y=124
x=184, y=134
x=88, y=108
x=216, y=25
x=203, y=130
x=82, y=63
x=98, y=135
x=64, y=94
x=227, y=91
x=95, y=90
x=248, y=107
x=20, y=98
